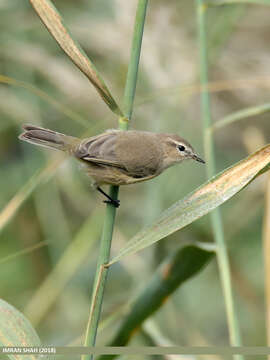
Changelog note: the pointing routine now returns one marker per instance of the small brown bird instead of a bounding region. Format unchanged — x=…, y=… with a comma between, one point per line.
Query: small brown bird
x=117, y=157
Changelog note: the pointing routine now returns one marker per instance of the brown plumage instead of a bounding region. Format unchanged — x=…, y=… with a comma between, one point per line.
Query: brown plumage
x=117, y=157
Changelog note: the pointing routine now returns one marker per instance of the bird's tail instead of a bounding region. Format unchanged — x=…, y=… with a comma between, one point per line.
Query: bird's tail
x=48, y=138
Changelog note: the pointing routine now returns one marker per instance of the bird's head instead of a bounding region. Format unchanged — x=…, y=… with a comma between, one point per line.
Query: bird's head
x=177, y=149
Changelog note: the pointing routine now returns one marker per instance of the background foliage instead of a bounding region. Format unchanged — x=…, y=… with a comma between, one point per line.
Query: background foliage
x=63, y=207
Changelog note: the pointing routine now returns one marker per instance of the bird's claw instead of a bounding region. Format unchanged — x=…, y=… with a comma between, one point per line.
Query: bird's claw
x=115, y=203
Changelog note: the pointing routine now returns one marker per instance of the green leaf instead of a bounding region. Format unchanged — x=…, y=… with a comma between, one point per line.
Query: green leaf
x=64, y=269
x=46, y=97
x=241, y=114
x=54, y=23
x=200, y=202
x=16, y=330
x=26, y=190
x=176, y=269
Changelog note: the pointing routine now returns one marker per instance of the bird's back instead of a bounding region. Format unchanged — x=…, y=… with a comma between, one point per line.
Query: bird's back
x=136, y=153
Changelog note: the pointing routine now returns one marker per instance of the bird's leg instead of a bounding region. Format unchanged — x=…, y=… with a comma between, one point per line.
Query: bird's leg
x=110, y=200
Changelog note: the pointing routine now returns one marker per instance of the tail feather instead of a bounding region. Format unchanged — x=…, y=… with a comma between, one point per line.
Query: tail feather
x=48, y=138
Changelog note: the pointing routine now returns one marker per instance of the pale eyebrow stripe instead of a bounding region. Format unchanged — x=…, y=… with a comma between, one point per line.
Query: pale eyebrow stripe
x=174, y=142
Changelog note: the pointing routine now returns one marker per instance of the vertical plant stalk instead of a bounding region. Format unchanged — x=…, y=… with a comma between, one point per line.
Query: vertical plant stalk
x=216, y=219
x=266, y=251
x=105, y=246
x=133, y=67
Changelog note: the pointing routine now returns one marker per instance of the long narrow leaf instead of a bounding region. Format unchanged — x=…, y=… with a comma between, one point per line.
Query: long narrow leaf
x=46, y=97
x=53, y=285
x=26, y=190
x=54, y=23
x=203, y=200
x=183, y=265
x=241, y=114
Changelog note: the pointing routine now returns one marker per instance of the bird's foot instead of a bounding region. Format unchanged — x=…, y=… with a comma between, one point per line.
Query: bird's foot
x=111, y=201
x=115, y=203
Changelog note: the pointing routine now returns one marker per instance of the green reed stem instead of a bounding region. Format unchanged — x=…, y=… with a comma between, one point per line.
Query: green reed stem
x=132, y=74
x=216, y=219
x=105, y=246
x=101, y=273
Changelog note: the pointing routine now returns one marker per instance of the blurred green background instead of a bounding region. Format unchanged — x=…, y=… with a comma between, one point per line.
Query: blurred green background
x=63, y=206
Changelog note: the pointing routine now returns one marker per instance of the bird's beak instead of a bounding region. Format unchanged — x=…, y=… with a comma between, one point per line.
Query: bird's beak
x=197, y=158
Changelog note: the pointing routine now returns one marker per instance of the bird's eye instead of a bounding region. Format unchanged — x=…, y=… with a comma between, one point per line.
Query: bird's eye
x=181, y=148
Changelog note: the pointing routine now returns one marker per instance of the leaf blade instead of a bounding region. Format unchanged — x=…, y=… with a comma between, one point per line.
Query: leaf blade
x=178, y=268
x=200, y=202
x=54, y=23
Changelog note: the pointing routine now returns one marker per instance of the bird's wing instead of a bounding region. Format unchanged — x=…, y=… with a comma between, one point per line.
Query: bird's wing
x=135, y=153
x=100, y=150
x=103, y=162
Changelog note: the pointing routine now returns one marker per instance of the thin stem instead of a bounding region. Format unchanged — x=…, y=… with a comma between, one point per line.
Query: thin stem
x=105, y=246
x=100, y=278
x=132, y=74
x=266, y=246
x=216, y=219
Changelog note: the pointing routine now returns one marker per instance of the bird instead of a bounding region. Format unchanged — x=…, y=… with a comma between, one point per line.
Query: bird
x=117, y=157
